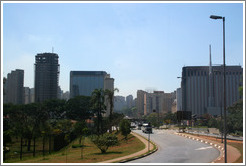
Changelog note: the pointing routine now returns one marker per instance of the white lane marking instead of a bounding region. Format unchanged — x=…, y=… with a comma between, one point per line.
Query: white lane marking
x=204, y=148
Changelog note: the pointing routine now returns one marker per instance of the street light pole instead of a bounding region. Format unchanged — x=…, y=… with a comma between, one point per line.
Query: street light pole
x=224, y=72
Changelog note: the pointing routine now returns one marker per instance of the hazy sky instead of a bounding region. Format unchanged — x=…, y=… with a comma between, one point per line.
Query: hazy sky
x=141, y=45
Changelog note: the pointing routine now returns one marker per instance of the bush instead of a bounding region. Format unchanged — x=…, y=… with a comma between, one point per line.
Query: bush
x=103, y=142
x=125, y=127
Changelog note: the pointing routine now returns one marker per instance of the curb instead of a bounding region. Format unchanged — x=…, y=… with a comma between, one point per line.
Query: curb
x=216, y=146
x=142, y=155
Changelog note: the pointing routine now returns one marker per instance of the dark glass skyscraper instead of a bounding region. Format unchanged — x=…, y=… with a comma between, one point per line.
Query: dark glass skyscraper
x=46, y=76
x=85, y=82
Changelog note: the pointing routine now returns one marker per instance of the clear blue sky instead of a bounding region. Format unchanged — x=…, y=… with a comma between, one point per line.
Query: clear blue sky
x=142, y=45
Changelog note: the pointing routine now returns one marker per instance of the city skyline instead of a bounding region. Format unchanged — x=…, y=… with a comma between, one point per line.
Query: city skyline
x=140, y=50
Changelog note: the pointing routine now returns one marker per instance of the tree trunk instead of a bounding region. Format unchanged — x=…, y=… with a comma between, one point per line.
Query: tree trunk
x=21, y=148
x=43, y=144
x=97, y=122
x=29, y=145
x=34, y=146
x=4, y=154
x=49, y=144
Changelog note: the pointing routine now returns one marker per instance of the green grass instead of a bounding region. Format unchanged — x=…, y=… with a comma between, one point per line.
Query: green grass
x=91, y=154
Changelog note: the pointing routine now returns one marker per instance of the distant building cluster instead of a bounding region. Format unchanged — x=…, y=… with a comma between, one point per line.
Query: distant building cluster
x=201, y=89
x=158, y=102
x=121, y=103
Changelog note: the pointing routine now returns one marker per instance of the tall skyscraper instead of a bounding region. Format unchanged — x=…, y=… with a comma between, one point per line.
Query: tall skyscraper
x=14, y=87
x=46, y=76
x=202, y=88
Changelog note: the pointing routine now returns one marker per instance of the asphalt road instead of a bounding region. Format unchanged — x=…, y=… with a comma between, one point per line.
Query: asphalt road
x=177, y=149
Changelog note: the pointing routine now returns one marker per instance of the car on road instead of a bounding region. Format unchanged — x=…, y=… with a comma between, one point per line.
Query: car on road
x=147, y=128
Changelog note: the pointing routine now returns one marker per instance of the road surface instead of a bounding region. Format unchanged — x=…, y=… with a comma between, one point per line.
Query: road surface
x=177, y=149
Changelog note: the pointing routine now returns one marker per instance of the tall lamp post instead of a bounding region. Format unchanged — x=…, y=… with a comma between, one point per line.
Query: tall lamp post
x=223, y=18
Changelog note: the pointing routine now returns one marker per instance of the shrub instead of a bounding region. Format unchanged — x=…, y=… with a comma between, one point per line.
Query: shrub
x=125, y=127
x=103, y=142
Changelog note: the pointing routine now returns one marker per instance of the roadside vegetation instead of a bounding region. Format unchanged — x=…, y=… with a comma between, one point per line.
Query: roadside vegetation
x=89, y=152
x=44, y=130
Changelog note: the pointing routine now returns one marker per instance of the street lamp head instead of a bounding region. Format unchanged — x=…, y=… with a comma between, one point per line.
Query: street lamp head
x=215, y=17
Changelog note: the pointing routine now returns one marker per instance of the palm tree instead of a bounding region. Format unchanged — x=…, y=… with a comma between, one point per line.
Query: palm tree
x=110, y=99
x=98, y=105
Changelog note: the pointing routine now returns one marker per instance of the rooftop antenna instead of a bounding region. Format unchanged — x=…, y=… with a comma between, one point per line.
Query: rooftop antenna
x=52, y=49
x=210, y=60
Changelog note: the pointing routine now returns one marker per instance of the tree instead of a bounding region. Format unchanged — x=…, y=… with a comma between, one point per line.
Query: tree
x=18, y=121
x=56, y=108
x=104, y=141
x=80, y=129
x=116, y=119
x=98, y=106
x=235, y=118
x=110, y=98
x=125, y=127
x=79, y=108
x=153, y=118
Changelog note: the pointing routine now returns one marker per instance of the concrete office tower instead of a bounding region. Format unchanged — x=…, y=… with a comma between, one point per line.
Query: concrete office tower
x=108, y=84
x=140, y=102
x=32, y=98
x=179, y=99
x=27, y=95
x=211, y=86
x=46, y=76
x=195, y=88
x=129, y=101
x=14, y=89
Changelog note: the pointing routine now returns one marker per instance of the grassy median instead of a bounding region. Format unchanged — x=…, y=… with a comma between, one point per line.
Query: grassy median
x=90, y=153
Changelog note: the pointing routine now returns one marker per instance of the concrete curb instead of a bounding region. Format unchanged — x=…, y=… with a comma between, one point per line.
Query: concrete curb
x=142, y=155
x=216, y=146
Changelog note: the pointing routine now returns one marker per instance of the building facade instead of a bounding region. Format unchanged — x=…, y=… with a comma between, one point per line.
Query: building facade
x=14, y=87
x=158, y=101
x=83, y=83
x=140, y=102
x=129, y=101
x=27, y=95
x=46, y=76
x=202, y=88
x=179, y=99
x=119, y=103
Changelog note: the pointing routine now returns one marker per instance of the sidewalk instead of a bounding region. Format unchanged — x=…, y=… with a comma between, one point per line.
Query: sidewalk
x=137, y=154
